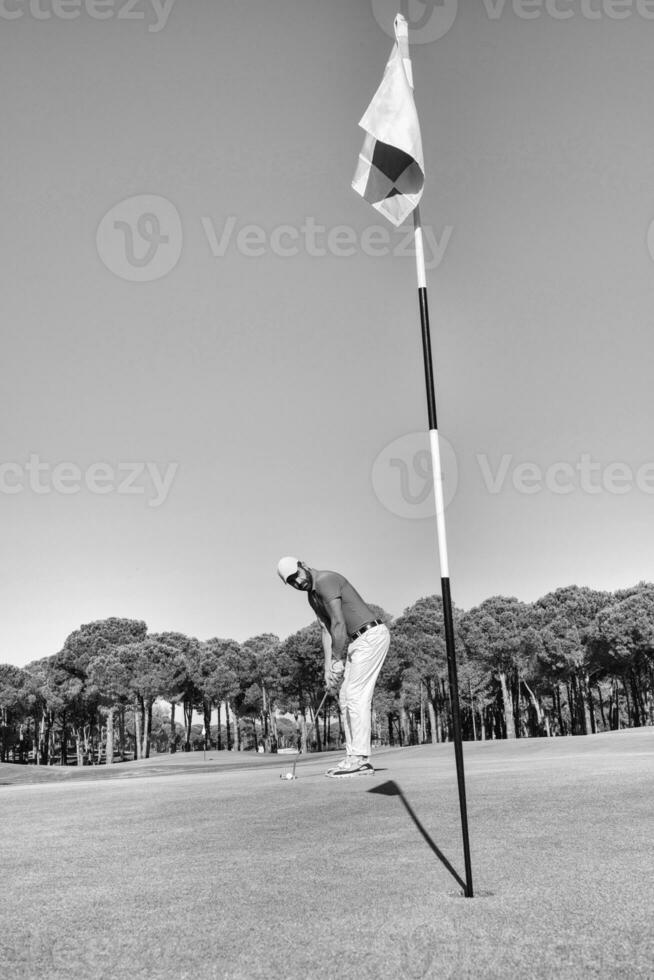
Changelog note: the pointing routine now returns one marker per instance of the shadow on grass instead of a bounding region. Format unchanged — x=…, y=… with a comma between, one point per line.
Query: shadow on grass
x=391, y=788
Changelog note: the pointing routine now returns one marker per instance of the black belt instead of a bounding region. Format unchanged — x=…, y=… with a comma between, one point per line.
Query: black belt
x=366, y=626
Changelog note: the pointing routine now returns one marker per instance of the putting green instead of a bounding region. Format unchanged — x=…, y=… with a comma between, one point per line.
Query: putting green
x=184, y=867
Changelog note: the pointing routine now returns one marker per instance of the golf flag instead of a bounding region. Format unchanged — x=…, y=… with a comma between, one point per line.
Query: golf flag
x=390, y=174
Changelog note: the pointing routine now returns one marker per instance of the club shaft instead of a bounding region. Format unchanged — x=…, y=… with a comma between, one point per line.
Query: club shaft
x=315, y=719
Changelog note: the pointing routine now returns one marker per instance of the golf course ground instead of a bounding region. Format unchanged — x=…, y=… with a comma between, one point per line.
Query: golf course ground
x=187, y=867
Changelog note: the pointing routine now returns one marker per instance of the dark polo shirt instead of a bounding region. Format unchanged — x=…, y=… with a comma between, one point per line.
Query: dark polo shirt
x=331, y=585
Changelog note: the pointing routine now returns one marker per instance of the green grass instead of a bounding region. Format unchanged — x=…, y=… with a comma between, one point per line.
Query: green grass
x=177, y=867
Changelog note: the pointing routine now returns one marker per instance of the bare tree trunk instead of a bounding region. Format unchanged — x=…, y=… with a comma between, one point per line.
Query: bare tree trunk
x=109, y=751
x=639, y=708
x=64, y=739
x=316, y=730
x=472, y=712
x=206, y=705
x=446, y=712
x=536, y=706
x=571, y=728
x=138, y=717
x=79, y=751
x=220, y=734
x=147, y=727
x=556, y=693
x=172, y=746
x=577, y=707
x=590, y=707
x=601, y=706
x=265, y=714
x=614, y=706
x=404, y=722
x=121, y=731
x=37, y=741
x=227, y=727
x=413, y=727
x=507, y=704
x=517, y=701
x=43, y=739
x=237, y=732
x=627, y=699
x=432, y=721
x=188, y=721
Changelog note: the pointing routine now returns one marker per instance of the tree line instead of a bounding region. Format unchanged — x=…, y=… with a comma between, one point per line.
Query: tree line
x=576, y=661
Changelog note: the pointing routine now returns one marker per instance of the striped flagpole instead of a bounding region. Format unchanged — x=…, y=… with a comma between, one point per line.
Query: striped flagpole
x=442, y=544
x=403, y=41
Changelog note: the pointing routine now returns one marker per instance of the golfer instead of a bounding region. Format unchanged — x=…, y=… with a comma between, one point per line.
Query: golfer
x=355, y=645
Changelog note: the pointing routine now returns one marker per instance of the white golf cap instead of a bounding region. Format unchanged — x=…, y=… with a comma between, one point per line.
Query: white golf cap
x=286, y=567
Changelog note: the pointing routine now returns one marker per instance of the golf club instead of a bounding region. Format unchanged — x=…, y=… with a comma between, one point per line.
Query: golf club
x=313, y=723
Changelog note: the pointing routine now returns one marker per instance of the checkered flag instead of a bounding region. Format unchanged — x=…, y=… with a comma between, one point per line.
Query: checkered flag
x=390, y=174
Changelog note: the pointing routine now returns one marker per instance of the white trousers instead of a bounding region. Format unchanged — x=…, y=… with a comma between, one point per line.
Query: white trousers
x=365, y=657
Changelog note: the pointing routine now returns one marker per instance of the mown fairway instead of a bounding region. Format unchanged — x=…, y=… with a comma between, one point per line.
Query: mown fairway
x=179, y=868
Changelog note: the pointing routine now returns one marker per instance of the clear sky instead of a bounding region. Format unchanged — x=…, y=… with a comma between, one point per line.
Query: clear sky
x=186, y=398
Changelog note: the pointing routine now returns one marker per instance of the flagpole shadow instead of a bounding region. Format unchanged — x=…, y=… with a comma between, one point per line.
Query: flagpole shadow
x=391, y=788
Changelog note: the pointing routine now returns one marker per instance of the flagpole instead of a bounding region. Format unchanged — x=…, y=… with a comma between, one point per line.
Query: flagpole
x=442, y=544
x=403, y=42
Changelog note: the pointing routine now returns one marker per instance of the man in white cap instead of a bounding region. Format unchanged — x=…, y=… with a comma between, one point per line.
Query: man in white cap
x=355, y=645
